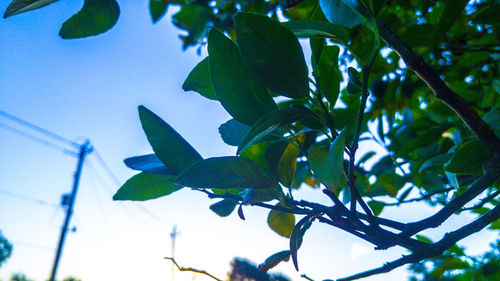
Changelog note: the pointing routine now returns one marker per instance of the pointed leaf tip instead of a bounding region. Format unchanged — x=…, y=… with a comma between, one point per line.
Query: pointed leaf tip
x=170, y=147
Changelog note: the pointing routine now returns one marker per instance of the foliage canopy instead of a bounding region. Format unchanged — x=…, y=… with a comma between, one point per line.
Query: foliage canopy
x=418, y=78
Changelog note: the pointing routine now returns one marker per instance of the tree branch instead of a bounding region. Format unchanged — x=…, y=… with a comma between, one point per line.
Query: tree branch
x=192, y=269
x=454, y=205
x=416, y=63
x=439, y=247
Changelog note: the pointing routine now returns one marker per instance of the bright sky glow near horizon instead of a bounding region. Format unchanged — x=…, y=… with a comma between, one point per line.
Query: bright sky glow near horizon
x=90, y=89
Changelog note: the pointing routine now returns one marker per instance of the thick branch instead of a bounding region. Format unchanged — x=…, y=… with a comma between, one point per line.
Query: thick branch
x=416, y=63
x=192, y=269
x=439, y=247
x=454, y=206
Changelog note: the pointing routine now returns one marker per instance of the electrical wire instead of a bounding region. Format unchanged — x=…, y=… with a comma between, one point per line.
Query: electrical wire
x=39, y=129
x=31, y=245
x=27, y=198
x=111, y=175
x=118, y=184
x=37, y=139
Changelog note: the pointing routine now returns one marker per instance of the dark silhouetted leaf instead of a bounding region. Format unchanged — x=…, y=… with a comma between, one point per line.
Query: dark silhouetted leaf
x=148, y=163
x=281, y=222
x=224, y=208
x=226, y=173
x=157, y=9
x=240, y=213
x=274, y=260
x=95, y=17
x=376, y=207
x=199, y=80
x=297, y=235
x=168, y=145
x=232, y=132
x=238, y=90
x=145, y=186
x=17, y=7
x=273, y=53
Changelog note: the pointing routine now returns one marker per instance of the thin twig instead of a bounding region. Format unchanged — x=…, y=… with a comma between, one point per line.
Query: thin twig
x=423, y=197
x=306, y=277
x=482, y=202
x=192, y=269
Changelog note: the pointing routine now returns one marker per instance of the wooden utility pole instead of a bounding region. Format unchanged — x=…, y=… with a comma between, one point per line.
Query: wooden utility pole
x=84, y=150
x=173, y=235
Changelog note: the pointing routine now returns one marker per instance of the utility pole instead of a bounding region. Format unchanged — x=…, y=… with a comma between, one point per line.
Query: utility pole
x=84, y=150
x=173, y=235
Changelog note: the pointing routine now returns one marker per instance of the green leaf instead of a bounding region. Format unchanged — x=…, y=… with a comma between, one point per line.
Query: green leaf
x=274, y=120
x=224, y=208
x=145, y=186
x=168, y=145
x=391, y=183
x=282, y=223
x=468, y=159
x=343, y=12
x=288, y=162
x=199, y=80
x=327, y=163
x=226, y=173
x=273, y=53
x=489, y=15
x=492, y=118
x=157, y=9
x=329, y=74
x=452, y=12
x=17, y=7
x=376, y=207
x=232, y=132
x=315, y=29
x=148, y=163
x=424, y=239
x=236, y=87
x=435, y=164
x=274, y=260
x=95, y=17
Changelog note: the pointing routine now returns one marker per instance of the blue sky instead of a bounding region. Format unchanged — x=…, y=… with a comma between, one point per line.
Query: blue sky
x=90, y=89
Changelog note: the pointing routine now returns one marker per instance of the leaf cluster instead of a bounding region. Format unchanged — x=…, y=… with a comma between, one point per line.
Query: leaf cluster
x=419, y=79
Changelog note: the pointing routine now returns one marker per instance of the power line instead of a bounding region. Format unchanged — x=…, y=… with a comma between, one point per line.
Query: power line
x=36, y=139
x=31, y=245
x=27, y=198
x=110, y=173
x=118, y=184
x=39, y=129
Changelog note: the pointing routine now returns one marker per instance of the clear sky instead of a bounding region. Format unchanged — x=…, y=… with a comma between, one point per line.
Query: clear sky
x=90, y=89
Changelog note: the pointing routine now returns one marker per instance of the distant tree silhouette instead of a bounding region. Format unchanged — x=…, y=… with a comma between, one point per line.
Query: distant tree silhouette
x=19, y=277
x=244, y=270
x=5, y=249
